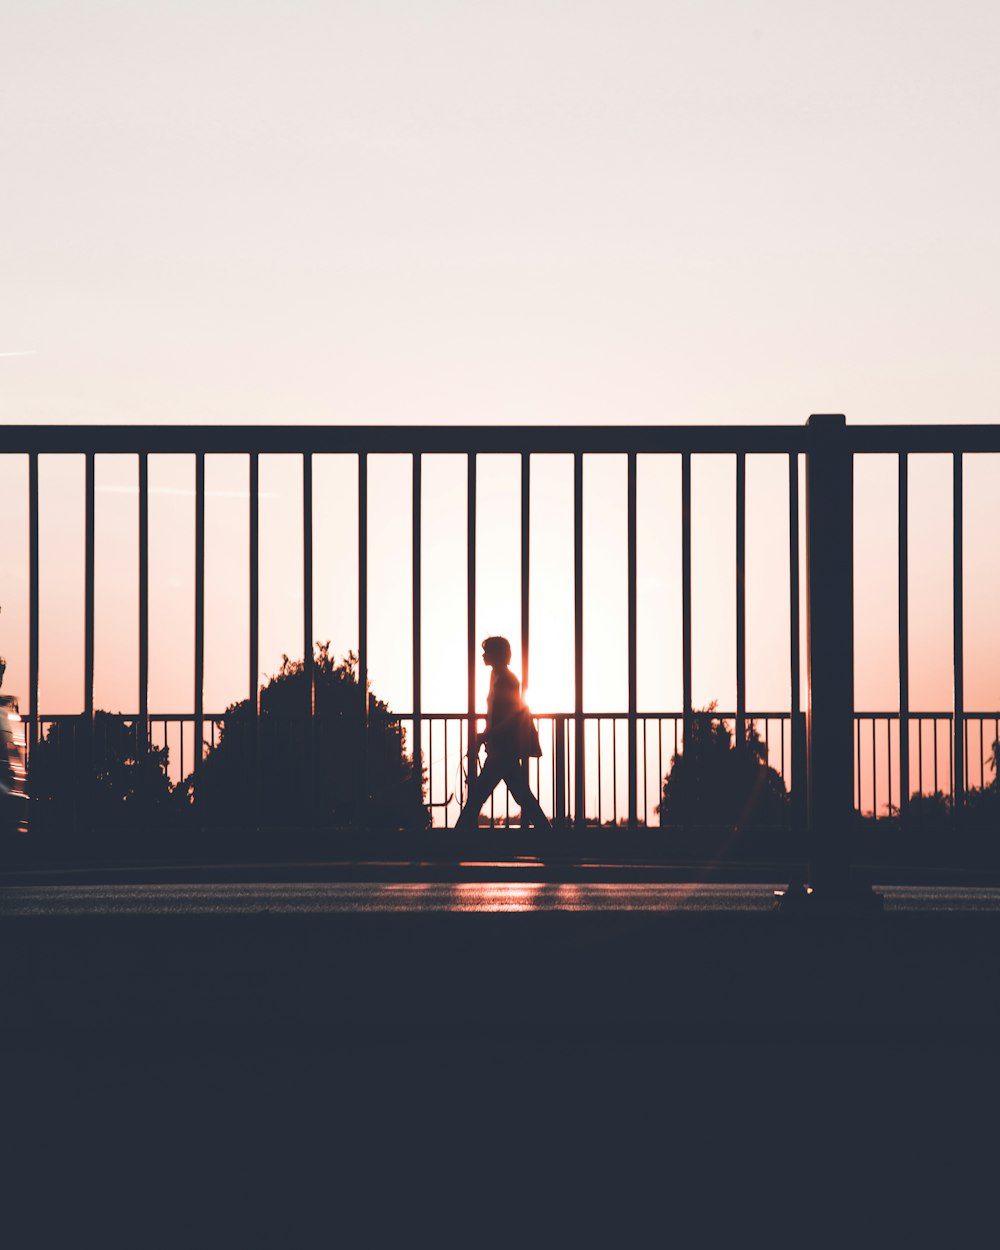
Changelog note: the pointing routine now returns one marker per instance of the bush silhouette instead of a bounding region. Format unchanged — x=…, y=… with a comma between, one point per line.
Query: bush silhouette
x=305, y=769
x=106, y=776
x=714, y=781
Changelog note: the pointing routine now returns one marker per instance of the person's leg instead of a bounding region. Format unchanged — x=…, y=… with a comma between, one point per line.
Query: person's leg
x=517, y=784
x=480, y=790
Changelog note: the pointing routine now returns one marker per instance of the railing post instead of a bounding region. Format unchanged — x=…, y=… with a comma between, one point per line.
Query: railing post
x=958, y=638
x=254, y=645
x=525, y=585
x=144, y=600
x=361, y=811
x=199, y=616
x=308, y=656
x=904, y=640
x=415, y=590
x=686, y=594
x=579, y=766
x=470, y=603
x=798, y=720
x=830, y=643
x=633, y=681
x=559, y=784
x=88, y=745
x=741, y=600
x=33, y=598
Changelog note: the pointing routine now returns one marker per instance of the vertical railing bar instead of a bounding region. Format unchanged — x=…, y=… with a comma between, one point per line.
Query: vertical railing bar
x=144, y=597
x=557, y=757
x=951, y=759
x=446, y=765
x=430, y=762
x=470, y=592
x=965, y=750
x=525, y=566
x=569, y=729
x=88, y=611
x=858, y=781
x=614, y=772
x=417, y=610
x=307, y=579
x=741, y=607
x=782, y=723
x=254, y=622
x=675, y=749
x=199, y=606
x=795, y=661
x=888, y=751
x=33, y=597
x=363, y=631
x=934, y=723
x=982, y=757
x=903, y=544
x=659, y=764
x=645, y=782
x=579, y=791
x=874, y=775
x=538, y=774
x=525, y=586
x=633, y=686
x=88, y=745
x=308, y=657
x=686, y=593
x=958, y=792
x=600, y=807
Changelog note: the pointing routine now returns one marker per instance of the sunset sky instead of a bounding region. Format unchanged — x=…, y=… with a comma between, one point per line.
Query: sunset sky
x=564, y=211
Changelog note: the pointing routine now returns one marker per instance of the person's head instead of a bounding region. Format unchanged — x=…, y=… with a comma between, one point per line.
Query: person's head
x=496, y=652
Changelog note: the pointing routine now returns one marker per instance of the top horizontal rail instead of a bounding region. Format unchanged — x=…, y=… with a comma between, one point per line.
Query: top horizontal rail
x=460, y=439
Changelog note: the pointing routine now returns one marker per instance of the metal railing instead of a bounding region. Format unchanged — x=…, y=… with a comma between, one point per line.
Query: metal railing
x=443, y=752
x=581, y=738
x=879, y=791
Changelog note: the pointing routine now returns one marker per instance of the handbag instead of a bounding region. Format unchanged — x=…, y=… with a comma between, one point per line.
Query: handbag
x=529, y=746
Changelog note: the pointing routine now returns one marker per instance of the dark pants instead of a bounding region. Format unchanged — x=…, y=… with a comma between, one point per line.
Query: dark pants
x=508, y=768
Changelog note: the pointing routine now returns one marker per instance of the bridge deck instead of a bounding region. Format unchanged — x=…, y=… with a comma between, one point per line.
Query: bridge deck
x=490, y=1033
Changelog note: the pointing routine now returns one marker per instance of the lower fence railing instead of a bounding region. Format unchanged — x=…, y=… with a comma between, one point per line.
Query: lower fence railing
x=878, y=789
x=322, y=771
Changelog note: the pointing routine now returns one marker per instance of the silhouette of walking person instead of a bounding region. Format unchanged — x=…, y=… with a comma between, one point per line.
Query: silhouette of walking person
x=510, y=736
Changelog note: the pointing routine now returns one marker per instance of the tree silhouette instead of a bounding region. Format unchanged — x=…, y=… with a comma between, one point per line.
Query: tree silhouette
x=306, y=769
x=928, y=811
x=715, y=781
x=101, y=771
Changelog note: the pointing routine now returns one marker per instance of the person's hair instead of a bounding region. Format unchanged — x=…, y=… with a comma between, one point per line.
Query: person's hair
x=496, y=648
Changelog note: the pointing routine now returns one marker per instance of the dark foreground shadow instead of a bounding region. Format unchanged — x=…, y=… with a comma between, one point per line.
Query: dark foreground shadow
x=266, y=1075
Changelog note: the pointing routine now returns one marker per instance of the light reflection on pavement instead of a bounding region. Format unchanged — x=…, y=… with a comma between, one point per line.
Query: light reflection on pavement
x=408, y=898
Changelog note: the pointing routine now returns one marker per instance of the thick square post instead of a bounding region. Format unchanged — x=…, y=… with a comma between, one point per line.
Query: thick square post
x=830, y=643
